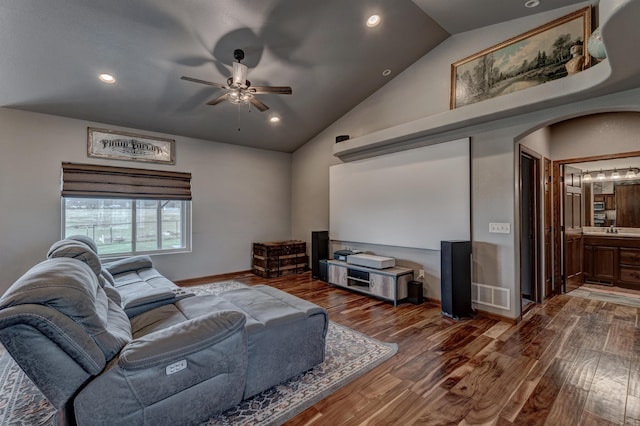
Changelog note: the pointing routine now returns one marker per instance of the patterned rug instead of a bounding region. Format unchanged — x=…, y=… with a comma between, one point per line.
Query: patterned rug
x=349, y=354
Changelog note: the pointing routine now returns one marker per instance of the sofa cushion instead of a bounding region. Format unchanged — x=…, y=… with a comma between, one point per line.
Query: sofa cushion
x=85, y=240
x=71, y=287
x=129, y=264
x=76, y=250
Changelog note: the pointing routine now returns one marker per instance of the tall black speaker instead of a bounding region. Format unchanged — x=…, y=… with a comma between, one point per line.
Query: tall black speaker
x=319, y=250
x=455, y=270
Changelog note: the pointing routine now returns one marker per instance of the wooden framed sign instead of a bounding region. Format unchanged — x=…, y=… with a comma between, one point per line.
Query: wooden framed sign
x=118, y=145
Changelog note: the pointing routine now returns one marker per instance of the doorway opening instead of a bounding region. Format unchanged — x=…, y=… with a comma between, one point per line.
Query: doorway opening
x=595, y=202
x=530, y=282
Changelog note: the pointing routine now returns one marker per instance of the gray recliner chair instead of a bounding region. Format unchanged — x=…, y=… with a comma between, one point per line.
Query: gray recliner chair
x=98, y=368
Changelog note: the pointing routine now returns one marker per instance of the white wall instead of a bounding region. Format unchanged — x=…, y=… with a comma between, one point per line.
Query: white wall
x=240, y=195
x=423, y=90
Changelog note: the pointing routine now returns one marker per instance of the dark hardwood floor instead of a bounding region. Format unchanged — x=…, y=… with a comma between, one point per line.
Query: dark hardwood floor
x=571, y=361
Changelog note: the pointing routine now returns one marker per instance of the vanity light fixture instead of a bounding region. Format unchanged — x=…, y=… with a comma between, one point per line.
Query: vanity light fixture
x=587, y=177
x=601, y=176
x=631, y=174
x=107, y=78
x=615, y=174
x=373, y=21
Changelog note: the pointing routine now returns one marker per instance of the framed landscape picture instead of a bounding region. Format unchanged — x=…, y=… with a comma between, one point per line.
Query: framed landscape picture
x=117, y=145
x=530, y=59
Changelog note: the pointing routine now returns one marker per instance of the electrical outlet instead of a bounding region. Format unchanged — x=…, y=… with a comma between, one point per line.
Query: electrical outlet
x=500, y=228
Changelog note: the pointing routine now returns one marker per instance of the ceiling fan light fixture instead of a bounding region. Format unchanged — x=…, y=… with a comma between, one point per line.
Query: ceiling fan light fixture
x=373, y=21
x=107, y=78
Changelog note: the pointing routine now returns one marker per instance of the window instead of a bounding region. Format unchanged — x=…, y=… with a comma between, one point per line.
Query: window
x=127, y=211
x=126, y=226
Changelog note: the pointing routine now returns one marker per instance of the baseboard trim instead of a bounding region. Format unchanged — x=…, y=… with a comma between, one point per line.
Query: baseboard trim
x=497, y=317
x=210, y=279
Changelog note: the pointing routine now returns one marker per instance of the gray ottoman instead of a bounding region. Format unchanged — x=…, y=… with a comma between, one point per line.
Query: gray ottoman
x=286, y=334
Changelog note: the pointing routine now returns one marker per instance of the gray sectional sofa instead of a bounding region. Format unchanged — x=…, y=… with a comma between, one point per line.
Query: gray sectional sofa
x=118, y=343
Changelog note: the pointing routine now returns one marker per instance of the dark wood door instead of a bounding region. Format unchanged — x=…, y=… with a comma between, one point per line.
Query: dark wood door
x=573, y=222
x=573, y=261
x=548, y=234
x=529, y=222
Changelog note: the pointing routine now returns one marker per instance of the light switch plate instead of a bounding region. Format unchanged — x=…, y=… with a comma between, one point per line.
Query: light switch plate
x=500, y=228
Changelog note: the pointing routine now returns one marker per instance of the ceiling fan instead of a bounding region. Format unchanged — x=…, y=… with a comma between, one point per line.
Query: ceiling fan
x=239, y=89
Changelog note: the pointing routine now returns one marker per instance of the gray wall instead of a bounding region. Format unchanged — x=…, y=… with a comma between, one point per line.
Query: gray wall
x=240, y=195
x=598, y=134
x=423, y=90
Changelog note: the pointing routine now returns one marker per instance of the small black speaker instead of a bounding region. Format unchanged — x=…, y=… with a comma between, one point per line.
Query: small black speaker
x=319, y=250
x=324, y=271
x=342, y=138
x=415, y=292
x=455, y=284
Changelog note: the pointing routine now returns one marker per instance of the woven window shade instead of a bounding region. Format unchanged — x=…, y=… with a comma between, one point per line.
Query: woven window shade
x=96, y=181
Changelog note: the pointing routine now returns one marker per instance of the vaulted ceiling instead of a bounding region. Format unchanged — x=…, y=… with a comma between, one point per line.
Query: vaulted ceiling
x=54, y=50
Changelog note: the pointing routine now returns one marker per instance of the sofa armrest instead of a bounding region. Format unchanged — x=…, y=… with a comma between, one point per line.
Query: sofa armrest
x=183, y=339
x=183, y=374
x=128, y=264
x=146, y=297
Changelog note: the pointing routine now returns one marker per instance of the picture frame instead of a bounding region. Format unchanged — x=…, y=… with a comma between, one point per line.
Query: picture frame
x=532, y=58
x=119, y=145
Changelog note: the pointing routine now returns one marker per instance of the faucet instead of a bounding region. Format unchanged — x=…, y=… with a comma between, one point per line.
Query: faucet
x=612, y=230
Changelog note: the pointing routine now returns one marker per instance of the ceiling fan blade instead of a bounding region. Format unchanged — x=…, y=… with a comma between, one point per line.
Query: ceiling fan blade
x=258, y=104
x=208, y=83
x=219, y=99
x=273, y=90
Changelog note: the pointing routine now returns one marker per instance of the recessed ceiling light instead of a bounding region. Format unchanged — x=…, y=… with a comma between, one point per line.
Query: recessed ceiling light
x=274, y=119
x=386, y=72
x=107, y=78
x=373, y=21
x=532, y=3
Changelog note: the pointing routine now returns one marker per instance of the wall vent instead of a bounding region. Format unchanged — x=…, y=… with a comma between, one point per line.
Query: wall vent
x=488, y=295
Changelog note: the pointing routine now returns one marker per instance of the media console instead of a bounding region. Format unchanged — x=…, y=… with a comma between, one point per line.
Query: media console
x=388, y=284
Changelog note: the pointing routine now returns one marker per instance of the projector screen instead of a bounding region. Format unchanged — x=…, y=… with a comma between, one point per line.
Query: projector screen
x=414, y=198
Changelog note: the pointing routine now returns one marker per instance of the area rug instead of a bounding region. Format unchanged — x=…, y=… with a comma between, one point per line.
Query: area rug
x=349, y=354
x=607, y=294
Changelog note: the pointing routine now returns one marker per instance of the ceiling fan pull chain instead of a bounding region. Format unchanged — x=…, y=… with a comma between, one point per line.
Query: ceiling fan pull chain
x=238, y=117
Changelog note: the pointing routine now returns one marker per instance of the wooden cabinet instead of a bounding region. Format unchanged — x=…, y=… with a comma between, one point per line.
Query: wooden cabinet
x=337, y=275
x=612, y=260
x=609, y=200
x=604, y=263
x=388, y=284
x=276, y=259
x=630, y=266
x=600, y=263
